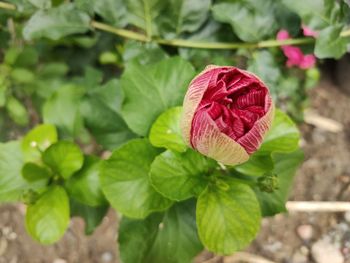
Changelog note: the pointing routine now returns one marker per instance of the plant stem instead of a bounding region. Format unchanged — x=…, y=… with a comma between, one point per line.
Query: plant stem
x=315, y=206
x=191, y=43
x=119, y=31
x=7, y=6
x=345, y=33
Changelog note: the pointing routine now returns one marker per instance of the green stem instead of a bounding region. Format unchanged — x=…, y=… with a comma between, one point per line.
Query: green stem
x=148, y=20
x=7, y=6
x=191, y=43
x=119, y=31
x=345, y=33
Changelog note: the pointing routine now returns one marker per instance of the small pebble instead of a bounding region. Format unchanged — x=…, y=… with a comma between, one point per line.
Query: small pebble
x=12, y=236
x=299, y=257
x=305, y=232
x=324, y=251
x=304, y=250
x=107, y=257
x=6, y=230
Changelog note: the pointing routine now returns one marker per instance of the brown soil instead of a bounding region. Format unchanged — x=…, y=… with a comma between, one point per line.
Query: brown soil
x=325, y=175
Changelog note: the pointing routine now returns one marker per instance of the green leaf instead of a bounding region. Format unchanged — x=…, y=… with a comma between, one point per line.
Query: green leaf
x=125, y=182
x=100, y=109
x=150, y=90
x=143, y=53
x=48, y=218
x=183, y=16
x=63, y=110
x=42, y=4
x=37, y=141
x=17, y=111
x=64, y=158
x=283, y=135
x=108, y=57
x=56, y=23
x=285, y=168
x=112, y=11
x=329, y=43
x=171, y=237
x=85, y=6
x=53, y=69
x=227, y=220
x=287, y=19
x=180, y=176
x=166, y=132
x=28, y=57
x=143, y=13
x=12, y=183
x=84, y=186
x=257, y=165
x=92, y=215
x=11, y=55
x=250, y=22
x=263, y=64
x=211, y=31
x=33, y=172
x=304, y=7
x=22, y=76
x=91, y=80
x=107, y=126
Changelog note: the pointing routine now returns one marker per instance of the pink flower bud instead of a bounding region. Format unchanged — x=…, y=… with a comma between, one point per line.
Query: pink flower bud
x=226, y=113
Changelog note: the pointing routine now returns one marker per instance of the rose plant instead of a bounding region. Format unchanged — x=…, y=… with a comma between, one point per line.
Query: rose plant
x=197, y=154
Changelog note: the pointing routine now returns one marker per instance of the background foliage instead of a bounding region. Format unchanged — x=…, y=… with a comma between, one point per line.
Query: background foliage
x=110, y=75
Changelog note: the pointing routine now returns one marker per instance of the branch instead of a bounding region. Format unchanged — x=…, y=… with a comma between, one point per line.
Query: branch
x=7, y=6
x=245, y=257
x=190, y=43
x=313, y=206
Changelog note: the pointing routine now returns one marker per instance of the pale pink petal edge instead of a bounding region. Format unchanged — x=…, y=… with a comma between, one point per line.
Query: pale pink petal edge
x=192, y=99
x=213, y=143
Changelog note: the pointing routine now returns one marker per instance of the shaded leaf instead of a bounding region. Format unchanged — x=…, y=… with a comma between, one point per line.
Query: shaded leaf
x=56, y=22
x=150, y=90
x=250, y=22
x=112, y=11
x=125, y=182
x=285, y=168
x=92, y=216
x=143, y=13
x=84, y=186
x=183, y=16
x=329, y=43
x=180, y=176
x=171, y=237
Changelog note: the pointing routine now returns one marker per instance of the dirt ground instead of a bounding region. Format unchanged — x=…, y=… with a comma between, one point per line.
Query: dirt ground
x=289, y=238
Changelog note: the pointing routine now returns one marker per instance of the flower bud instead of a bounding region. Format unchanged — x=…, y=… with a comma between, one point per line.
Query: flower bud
x=268, y=182
x=226, y=113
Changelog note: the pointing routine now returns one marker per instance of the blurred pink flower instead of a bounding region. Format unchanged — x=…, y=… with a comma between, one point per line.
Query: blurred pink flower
x=308, y=32
x=295, y=56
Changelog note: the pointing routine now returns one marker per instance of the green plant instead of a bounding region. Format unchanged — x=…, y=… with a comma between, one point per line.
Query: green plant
x=108, y=75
